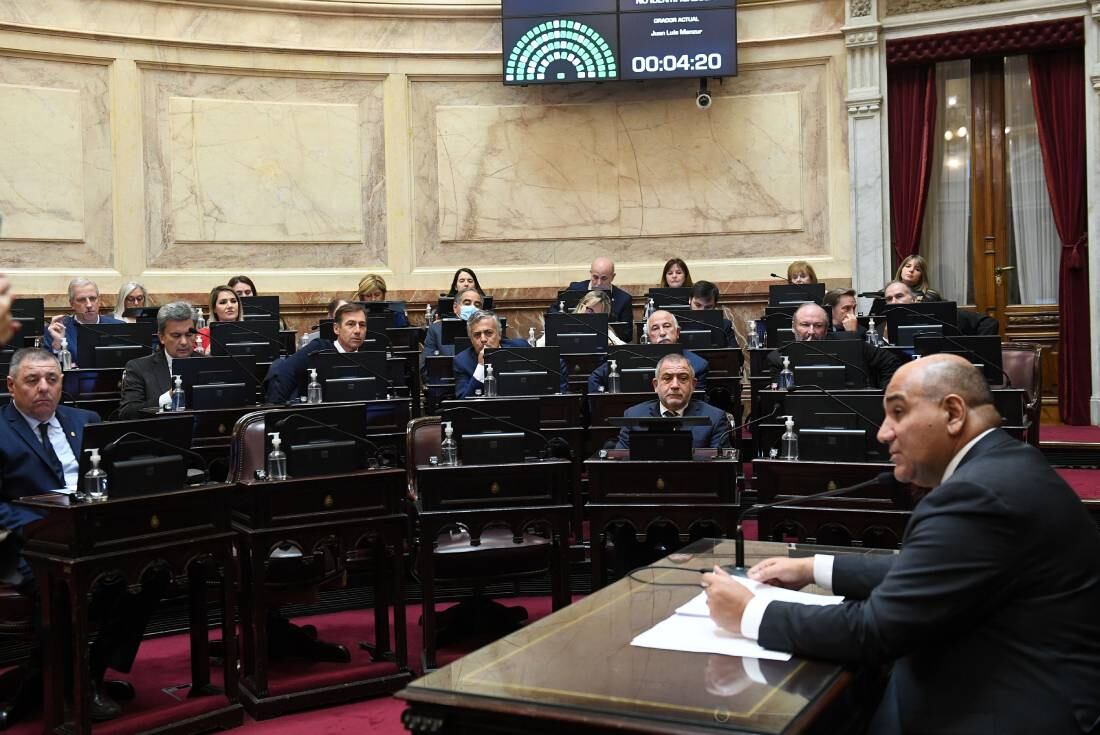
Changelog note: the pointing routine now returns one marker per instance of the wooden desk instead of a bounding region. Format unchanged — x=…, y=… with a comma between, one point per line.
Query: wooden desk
x=688, y=494
x=76, y=543
x=335, y=513
x=575, y=672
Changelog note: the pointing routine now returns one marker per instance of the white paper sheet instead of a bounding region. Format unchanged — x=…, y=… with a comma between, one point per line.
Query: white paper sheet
x=701, y=635
x=697, y=606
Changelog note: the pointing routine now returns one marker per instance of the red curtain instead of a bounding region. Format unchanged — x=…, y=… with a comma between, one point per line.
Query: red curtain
x=1058, y=91
x=911, y=91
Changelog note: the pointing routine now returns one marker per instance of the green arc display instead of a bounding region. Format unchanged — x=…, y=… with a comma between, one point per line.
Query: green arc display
x=560, y=40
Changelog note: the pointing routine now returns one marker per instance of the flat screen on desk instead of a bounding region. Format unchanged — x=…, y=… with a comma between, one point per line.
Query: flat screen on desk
x=984, y=350
x=670, y=297
x=578, y=332
x=942, y=313
x=111, y=345
x=845, y=409
x=704, y=328
x=383, y=307
x=788, y=294
x=31, y=315
x=332, y=365
x=260, y=307
x=200, y=371
x=257, y=337
x=495, y=416
x=845, y=352
x=318, y=440
x=527, y=360
x=174, y=431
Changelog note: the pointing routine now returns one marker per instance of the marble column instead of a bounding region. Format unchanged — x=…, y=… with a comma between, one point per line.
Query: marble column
x=1092, y=156
x=869, y=199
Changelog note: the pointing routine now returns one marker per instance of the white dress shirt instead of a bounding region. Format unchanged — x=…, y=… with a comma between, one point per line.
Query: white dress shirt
x=61, y=448
x=823, y=563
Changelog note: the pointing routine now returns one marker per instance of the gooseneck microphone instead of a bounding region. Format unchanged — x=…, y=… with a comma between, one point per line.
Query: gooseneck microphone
x=776, y=275
x=183, y=450
x=885, y=480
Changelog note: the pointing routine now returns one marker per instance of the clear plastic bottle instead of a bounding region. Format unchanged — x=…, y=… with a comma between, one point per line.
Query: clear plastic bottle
x=313, y=390
x=753, y=335
x=429, y=317
x=788, y=443
x=490, y=382
x=179, y=401
x=786, y=376
x=276, y=459
x=200, y=320
x=873, y=337
x=561, y=306
x=531, y=339
x=448, y=450
x=648, y=310
x=64, y=356
x=95, y=479
x=614, y=380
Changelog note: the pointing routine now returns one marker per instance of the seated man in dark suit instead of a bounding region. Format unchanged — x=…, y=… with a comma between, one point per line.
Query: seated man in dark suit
x=467, y=301
x=840, y=304
x=602, y=274
x=147, y=381
x=39, y=445
x=84, y=300
x=704, y=297
x=674, y=382
x=989, y=622
x=969, y=322
x=811, y=324
x=469, y=365
x=662, y=328
x=288, y=377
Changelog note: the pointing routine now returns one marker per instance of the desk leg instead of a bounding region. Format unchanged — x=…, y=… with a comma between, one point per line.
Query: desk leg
x=53, y=650
x=400, y=624
x=381, y=600
x=247, y=605
x=427, y=588
x=200, y=639
x=258, y=623
x=229, y=626
x=81, y=711
x=561, y=584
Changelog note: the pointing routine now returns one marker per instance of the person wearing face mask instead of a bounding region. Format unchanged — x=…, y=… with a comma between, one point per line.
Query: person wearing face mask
x=811, y=324
x=287, y=377
x=467, y=301
x=662, y=328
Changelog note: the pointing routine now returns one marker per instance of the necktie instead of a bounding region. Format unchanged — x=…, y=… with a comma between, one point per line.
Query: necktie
x=51, y=456
x=669, y=414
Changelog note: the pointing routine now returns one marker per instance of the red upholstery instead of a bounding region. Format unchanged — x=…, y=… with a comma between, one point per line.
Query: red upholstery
x=1023, y=363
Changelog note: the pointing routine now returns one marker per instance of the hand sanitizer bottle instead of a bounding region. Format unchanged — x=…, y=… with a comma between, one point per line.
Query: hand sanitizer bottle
x=561, y=306
x=313, y=390
x=753, y=335
x=531, y=339
x=179, y=402
x=276, y=459
x=786, y=377
x=200, y=320
x=429, y=317
x=448, y=450
x=490, y=382
x=95, y=479
x=64, y=356
x=614, y=381
x=873, y=338
x=788, y=444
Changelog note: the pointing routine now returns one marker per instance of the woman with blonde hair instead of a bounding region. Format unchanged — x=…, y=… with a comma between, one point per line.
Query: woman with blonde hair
x=801, y=272
x=372, y=287
x=593, y=302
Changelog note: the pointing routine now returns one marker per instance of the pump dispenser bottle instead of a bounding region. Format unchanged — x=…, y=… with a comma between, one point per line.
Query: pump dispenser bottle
x=448, y=450
x=788, y=444
x=179, y=401
x=786, y=376
x=313, y=390
x=95, y=479
x=276, y=459
x=614, y=380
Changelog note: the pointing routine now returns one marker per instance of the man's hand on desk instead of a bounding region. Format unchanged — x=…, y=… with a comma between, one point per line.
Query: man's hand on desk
x=779, y=571
x=726, y=599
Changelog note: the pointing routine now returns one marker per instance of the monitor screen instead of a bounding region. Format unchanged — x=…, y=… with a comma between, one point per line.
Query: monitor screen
x=983, y=350
x=260, y=307
x=152, y=454
x=320, y=440
x=356, y=376
x=527, y=360
x=495, y=416
x=670, y=297
x=111, y=345
x=702, y=329
x=943, y=313
x=215, y=371
x=257, y=337
x=577, y=333
x=844, y=352
x=843, y=410
x=789, y=294
x=641, y=356
x=31, y=315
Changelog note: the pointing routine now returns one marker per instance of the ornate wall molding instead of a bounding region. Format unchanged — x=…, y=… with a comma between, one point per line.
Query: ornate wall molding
x=1012, y=39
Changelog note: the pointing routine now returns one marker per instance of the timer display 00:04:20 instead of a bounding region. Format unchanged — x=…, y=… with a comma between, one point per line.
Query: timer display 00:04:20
x=685, y=62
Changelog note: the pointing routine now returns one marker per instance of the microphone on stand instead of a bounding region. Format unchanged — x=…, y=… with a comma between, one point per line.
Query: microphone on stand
x=885, y=480
x=776, y=275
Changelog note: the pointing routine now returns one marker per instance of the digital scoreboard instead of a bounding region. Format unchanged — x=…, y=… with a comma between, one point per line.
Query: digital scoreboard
x=562, y=41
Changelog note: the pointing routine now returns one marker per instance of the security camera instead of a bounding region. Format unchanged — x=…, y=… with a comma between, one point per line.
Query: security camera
x=703, y=99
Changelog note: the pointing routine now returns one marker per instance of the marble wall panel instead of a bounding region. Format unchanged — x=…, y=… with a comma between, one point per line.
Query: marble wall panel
x=542, y=177
x=539, y=172
x=246, y=170
x=55, y=164
x=264, y=172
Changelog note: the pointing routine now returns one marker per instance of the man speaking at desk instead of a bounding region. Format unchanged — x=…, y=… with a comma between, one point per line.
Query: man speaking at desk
x=674, y=381
x=989, y=611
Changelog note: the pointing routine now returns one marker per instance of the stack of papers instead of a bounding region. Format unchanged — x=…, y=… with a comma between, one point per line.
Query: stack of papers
x=691, y=629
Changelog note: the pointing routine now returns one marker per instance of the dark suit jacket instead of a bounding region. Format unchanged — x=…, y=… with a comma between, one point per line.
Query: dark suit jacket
x=699, y=365
x=70, y=333
x=989, y=611
x=143, y=382
x=712, y=436
x=288, y=376
x=622, y=303
x=466, y=363
x=971, y=323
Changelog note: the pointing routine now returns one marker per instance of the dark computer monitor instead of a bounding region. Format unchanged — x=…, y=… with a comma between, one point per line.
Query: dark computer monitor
x=943, y=314
x=661, y=439
x=31, y=315
x=847, y=353
x=141, y=456
x=257, y=337
x=577, y=333
x=111, y=345
x=843, y=410
x=636, y=364
x=453, y=329
x=832, y=445
x=387, y=309
x=982, y=350
x=320, y=440
x=478, y=423
x=351, y=376
x=906, y=334
x=260, y=307
x=511, y=363
x=142, y=313
x=702, y=329
x=670, y=298
x=217, y=382
x=790, y=294
x=777, y=330
x=445, y=307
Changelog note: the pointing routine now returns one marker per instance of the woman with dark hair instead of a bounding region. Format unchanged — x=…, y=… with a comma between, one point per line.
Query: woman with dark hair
x=243, y=286
x=676, y=274
x=464, y=278
x=224, y=307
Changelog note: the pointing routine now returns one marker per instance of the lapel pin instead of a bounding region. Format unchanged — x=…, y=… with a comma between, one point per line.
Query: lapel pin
x=72, y=434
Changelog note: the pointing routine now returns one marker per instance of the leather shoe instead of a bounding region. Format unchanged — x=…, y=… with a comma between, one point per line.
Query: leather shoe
x=102, y=707
x=119, y=690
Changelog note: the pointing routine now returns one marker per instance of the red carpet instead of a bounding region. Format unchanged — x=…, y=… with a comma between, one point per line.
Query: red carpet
x=1086, y=483
x=1073, y=434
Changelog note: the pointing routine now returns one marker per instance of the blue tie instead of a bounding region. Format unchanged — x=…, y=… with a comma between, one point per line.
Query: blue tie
x=51, y=456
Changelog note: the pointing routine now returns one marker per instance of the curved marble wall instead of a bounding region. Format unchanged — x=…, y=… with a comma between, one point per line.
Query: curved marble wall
x=306, y=142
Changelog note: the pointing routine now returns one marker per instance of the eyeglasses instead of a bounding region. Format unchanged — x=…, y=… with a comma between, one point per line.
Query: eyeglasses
x=135, y=299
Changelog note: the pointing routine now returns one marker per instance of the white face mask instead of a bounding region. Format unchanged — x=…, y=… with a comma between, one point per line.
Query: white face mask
x=466, y=311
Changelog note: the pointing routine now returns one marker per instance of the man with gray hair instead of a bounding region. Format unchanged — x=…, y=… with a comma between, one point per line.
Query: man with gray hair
x=469, y=365
x=84, y=300
x=662, y=328
x=147, y=381
x=674, y=382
